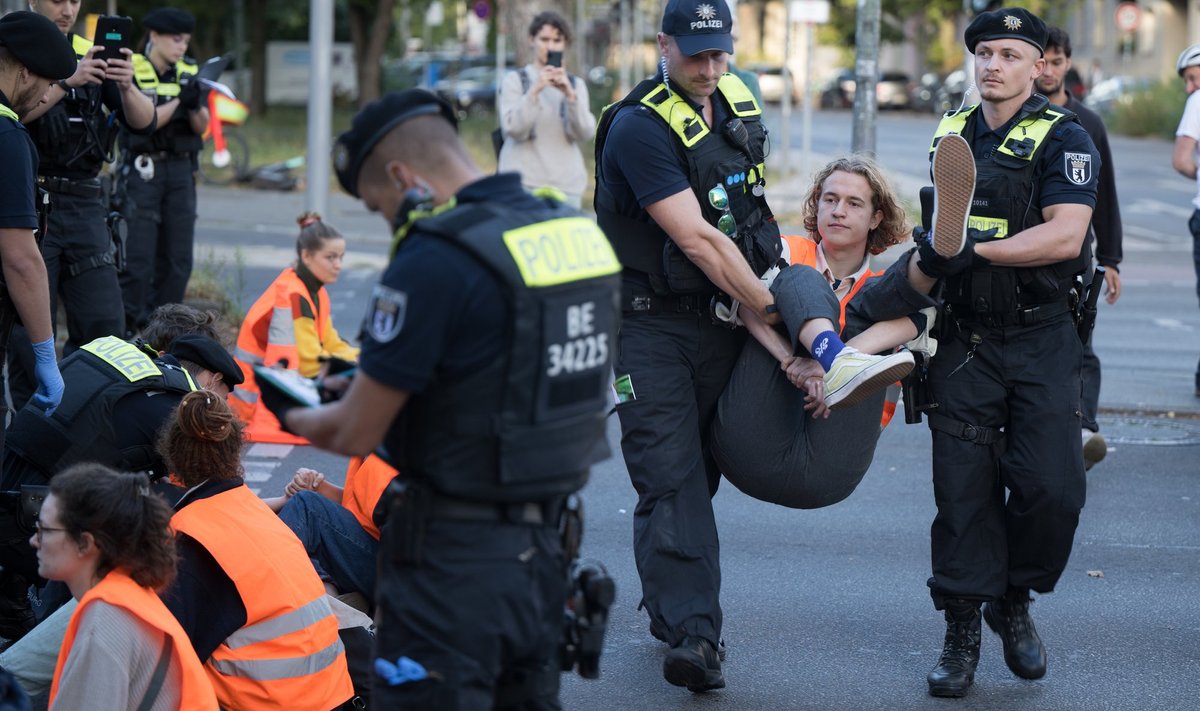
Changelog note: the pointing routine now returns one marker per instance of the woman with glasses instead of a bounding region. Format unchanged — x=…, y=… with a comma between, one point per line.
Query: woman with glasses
x=771, y=436
x=108, y=538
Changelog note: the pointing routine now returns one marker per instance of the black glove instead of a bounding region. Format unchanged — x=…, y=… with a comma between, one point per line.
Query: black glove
x=54, y=125
x=189, y=95
x=277, y=401
x=936, y=266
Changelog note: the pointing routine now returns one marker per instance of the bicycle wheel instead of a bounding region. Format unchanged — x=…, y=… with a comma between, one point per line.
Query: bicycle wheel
x=233, y=167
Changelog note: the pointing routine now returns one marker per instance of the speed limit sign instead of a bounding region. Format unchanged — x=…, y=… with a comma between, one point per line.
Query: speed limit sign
x=1128, y=16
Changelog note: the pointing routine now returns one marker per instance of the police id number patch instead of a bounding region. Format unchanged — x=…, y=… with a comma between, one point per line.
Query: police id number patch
x=580, y=345
x=1078, y=167
x=386, y=317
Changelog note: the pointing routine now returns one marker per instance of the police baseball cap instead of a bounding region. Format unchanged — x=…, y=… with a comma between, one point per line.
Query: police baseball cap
x=1007, y=23
x=375, y=121
x=208, y=354
x=170, y=20
x=38, y=44
x=699, y=25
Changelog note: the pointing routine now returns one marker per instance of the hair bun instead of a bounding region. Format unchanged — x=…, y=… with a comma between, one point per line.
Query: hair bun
x=205, y=417
x=308, y=218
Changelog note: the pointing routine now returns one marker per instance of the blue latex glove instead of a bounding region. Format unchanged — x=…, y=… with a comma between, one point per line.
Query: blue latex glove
x=402, y=672
x=50, y=383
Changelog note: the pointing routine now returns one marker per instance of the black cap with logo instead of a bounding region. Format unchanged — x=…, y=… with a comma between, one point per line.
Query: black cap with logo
x=699, y=25
x=1007, y=23
x=208, y=354
x=170, y=20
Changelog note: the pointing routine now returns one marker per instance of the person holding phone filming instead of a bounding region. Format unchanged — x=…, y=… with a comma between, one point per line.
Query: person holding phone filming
x=74, y=130
x=545, y=115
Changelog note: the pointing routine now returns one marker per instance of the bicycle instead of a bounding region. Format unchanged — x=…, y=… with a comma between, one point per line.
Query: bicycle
x=225, y=157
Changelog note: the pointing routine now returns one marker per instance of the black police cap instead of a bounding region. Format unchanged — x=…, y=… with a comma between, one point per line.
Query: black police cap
x=375, y=121
x=170, y=20
x=38, y=44
x=699, y=25
x=208, y=354
x=1007, y=23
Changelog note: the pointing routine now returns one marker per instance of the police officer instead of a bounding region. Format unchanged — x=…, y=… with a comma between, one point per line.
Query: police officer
x=484, y=373
x=158, y=170
x=33, y=55
x=75, y=136
x=1007, y=467
x=117, y=398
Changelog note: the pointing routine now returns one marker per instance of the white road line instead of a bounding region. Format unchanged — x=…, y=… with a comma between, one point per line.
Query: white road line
x=270, y=451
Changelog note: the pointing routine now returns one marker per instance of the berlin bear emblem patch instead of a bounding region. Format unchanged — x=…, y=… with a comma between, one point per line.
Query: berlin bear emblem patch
x=386, y=318
x=1078, y=167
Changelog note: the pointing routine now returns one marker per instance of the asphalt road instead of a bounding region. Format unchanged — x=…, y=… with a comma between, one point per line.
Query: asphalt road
x=828, y=609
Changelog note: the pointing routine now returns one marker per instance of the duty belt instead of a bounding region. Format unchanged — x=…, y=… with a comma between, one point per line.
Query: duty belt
x=1026, y=316
x=161, y=155
x=87, y=188
x=654, y=304
x=530, y=513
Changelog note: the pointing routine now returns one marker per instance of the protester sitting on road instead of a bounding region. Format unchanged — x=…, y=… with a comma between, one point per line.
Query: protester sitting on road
x=117, y=398
x=246, y=593
x=109, y=539
x=336, y=524
x=291, y=324
x=772, y=440
x=545, y=114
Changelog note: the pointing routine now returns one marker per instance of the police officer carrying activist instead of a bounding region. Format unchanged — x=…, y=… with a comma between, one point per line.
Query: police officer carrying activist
x=158, y=170
x=33, y=55
x=485, y=376
x=1007, y=467
x=75, y=131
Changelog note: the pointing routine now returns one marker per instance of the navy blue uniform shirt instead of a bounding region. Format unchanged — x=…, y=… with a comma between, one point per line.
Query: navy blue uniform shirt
x=437, y=312
x=17, y=206
x=1106, y=221
x=1055, y=183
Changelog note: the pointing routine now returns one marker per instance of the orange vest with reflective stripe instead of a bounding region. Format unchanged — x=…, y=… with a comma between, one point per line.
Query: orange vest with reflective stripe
x=365, y=481
x=804, y=251
x=267, y=336
x=119, y=590
x=288, y=655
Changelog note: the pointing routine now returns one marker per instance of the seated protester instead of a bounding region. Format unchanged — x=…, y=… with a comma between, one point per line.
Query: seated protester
x=109, y=539
x=246, y=592
x=291, y=324
x=117, y=400
x=336, y=524
x=772, y=440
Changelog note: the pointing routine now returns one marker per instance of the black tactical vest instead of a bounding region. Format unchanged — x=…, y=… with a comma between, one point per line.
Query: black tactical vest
x=74, y=137
x=713, y=156
x=1006, y=199
x=528, y=426
x=82, y=429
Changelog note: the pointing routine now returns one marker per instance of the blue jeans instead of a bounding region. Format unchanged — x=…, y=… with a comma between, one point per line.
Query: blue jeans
x=341, y=551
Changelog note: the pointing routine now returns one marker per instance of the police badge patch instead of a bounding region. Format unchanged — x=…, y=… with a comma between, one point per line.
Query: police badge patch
x=386, y=317
x=1078, y=167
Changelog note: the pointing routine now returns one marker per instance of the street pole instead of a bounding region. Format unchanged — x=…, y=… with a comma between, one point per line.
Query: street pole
x=866, y=73
x=810, y=38
x=239, y=47
x=579, y=43
x=626, y=49
x=785, y=109
x=320, y=103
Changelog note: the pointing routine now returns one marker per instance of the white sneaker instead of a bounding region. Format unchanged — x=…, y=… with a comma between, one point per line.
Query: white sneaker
x=855, y=375
x=1094, y=449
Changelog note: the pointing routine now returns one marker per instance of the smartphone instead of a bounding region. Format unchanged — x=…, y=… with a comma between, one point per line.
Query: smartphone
x=554, y=59
x=113, y=33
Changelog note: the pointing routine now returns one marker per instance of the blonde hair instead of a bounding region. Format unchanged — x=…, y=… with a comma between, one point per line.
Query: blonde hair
x=892, y=229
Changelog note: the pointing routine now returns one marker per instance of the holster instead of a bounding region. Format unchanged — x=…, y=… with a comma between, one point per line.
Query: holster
x=408, y=507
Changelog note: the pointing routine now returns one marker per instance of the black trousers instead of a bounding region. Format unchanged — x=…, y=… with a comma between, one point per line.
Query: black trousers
x=482, y=612
x=678, y=366
x=162, y=229
x=1007, y=512
x=76, y=240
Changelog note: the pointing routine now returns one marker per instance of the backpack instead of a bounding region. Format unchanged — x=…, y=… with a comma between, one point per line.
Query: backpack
x=498, y=133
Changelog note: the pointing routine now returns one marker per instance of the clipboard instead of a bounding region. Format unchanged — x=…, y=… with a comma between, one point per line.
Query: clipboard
x=301, y=390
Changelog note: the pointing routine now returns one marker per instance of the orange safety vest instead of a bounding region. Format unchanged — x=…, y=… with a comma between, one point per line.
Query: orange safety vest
x=804, y=251
x=288, y=655
x=267, y=336
x=118, y=589
x=365, y=481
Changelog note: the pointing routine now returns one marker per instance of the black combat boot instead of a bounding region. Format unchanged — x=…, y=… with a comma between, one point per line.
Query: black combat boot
x=1023, y=649
x=955, y=670
x=694, y=663
x=16, y=613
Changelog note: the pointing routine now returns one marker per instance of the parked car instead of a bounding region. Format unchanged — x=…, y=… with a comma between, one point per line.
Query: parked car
x=771, y=83
x=954, y=87
x=924, y=93
x=838, y=92
x=892, y=90
x=1105, y=96
x=472, y=89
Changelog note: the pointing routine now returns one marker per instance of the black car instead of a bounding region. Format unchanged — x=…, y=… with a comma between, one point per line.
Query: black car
x=839, y=91
x=471, y=90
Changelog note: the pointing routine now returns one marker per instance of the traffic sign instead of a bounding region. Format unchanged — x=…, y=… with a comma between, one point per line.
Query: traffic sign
x=1128, y=16
x=814, y=11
